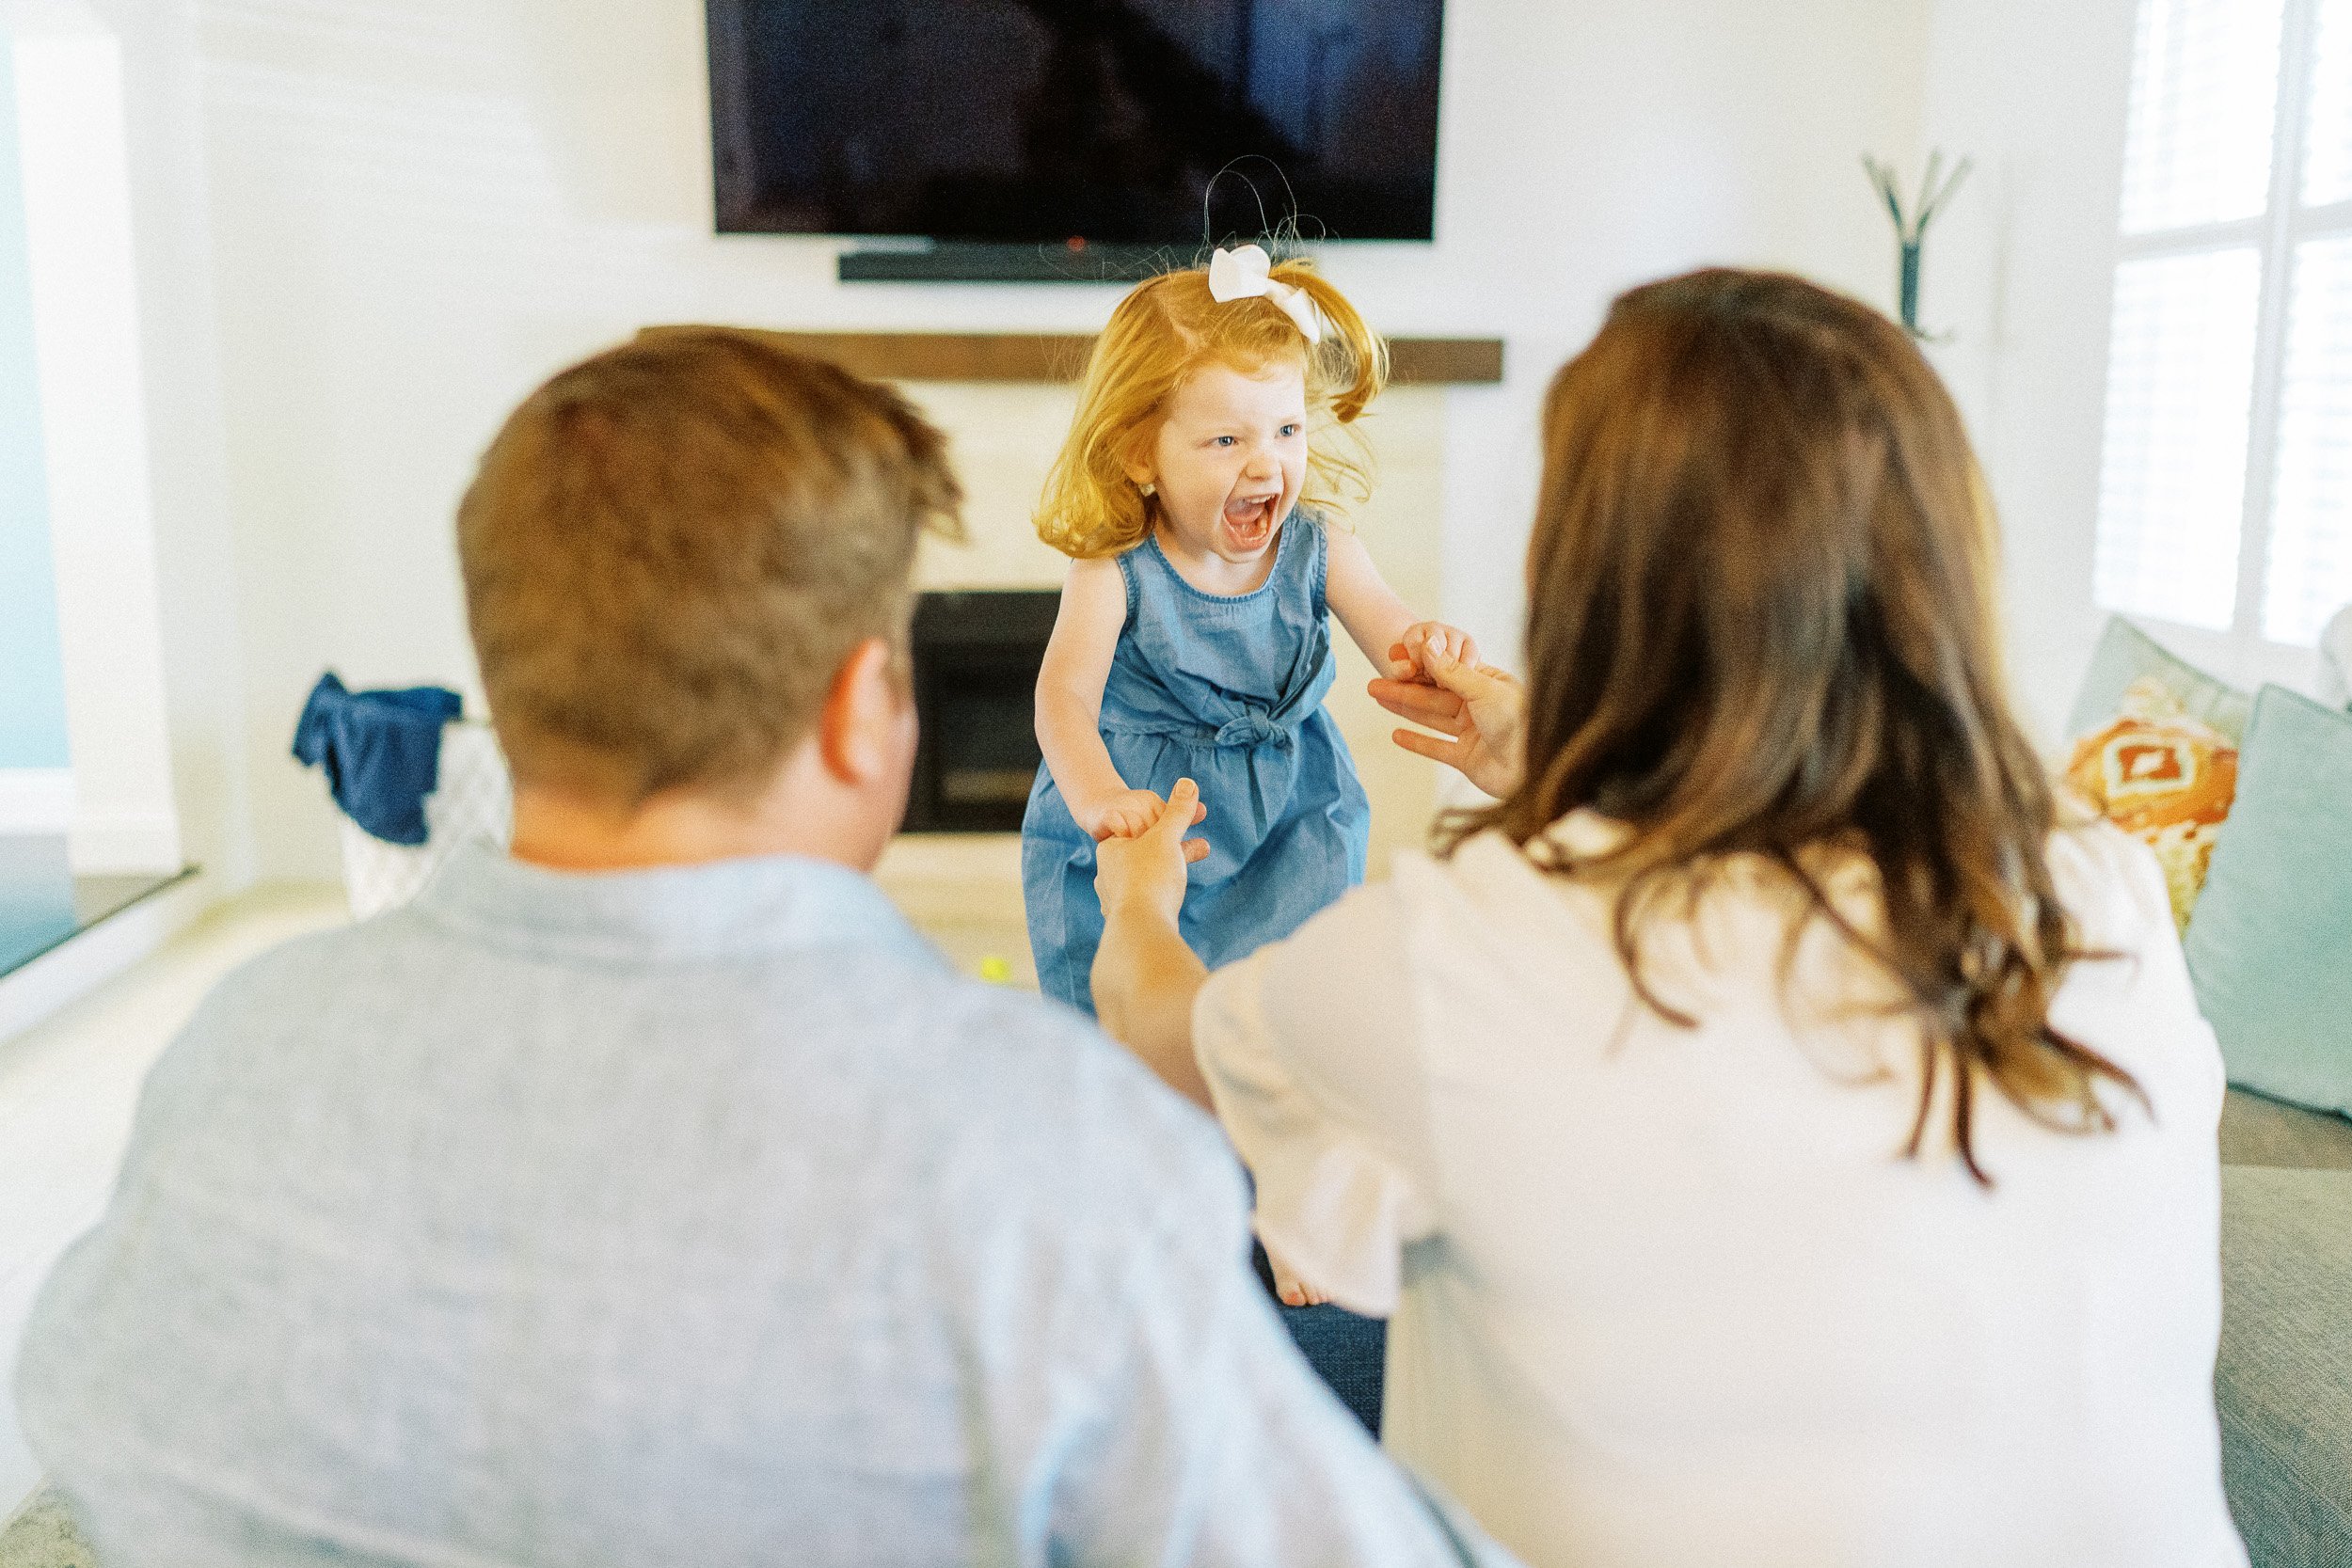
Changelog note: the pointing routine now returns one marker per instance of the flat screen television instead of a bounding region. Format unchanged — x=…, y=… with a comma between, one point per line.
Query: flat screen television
x=1053, y=121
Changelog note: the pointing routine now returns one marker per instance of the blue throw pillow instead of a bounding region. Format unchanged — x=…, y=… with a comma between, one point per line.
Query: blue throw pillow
x=2270, y=942
x=2127, y=654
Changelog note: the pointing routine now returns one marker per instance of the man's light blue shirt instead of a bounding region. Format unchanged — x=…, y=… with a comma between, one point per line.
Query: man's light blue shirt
x=696, y=1217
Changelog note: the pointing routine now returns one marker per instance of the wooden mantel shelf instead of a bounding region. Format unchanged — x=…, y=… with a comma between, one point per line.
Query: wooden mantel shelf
x=1061, y=355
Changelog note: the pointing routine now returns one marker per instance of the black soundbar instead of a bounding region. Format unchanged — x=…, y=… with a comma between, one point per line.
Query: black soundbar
x=958, y=262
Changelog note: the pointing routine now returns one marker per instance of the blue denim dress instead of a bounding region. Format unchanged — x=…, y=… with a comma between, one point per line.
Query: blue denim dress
x=1226, y=691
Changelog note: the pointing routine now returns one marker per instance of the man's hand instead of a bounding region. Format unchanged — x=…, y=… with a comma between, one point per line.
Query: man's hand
x=1121, y=815
x=1145, y=870
x=1478, y=711
x=1426, y=637
x=1145, y=979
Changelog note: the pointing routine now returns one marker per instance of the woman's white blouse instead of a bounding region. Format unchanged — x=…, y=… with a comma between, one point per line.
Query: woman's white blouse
x=1668, y=1295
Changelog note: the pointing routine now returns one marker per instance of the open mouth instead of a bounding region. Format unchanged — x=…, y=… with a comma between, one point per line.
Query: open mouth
x=1249, y=520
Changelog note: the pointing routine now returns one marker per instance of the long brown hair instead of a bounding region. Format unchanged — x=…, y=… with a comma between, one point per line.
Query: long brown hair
x=1760, y=623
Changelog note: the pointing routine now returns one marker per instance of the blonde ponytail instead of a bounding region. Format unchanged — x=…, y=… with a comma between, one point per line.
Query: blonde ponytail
x=1355, y=359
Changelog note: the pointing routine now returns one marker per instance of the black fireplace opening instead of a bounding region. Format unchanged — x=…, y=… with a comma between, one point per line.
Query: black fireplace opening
x=977, y=655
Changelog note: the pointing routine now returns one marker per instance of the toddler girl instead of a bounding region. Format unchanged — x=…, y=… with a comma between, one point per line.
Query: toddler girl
x=1193, y=639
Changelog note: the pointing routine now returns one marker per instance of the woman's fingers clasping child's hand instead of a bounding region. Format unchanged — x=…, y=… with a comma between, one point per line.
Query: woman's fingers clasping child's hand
x=1406, y=660
x=1479, y=712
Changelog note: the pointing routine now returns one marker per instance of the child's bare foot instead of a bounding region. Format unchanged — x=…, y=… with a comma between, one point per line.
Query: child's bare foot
x=1289, y=1289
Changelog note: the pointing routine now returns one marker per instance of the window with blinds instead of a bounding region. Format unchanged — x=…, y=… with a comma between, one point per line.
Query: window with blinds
x=2225, y=490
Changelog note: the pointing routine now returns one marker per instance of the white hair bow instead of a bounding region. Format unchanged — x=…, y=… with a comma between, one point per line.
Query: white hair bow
x=1242, y=275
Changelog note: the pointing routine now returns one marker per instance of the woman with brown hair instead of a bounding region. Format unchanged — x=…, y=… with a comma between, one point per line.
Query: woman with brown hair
x=1781, y=1134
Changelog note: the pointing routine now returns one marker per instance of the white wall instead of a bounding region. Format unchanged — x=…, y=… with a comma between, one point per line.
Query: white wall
x=1589, y=148
x=68, y=92
x=36, y=786
x=2021, y=274
x=185, y=471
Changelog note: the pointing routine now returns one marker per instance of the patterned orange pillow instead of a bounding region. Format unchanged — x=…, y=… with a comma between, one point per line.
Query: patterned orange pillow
x=2167, y=779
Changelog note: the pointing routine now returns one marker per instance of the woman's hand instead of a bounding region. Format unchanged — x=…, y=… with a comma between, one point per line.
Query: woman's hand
x=1479, y=710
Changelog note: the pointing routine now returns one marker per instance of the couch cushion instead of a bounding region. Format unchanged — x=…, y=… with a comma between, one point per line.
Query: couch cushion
x=2283, y=1381
x=2163, y=777
x=2126, y=655
x=2268, y=944
x=2260, y=1131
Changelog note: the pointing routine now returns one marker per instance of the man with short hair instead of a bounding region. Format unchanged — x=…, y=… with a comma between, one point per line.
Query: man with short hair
x=656, y=1195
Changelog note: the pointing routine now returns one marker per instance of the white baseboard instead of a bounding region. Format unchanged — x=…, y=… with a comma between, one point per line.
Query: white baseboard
x=72, y=969
x=36, y=800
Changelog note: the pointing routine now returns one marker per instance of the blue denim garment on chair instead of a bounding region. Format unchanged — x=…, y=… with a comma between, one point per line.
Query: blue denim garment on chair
x=381, y=750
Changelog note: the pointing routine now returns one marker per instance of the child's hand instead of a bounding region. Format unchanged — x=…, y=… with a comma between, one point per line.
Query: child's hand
x=1452, y=641
x=1288, y=1288
x=1125, y=814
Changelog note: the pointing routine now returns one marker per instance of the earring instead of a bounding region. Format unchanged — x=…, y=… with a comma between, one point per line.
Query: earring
x=1148, y=488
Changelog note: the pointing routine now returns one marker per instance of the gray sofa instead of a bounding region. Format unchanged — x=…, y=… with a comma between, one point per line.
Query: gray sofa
x=2283, y=1381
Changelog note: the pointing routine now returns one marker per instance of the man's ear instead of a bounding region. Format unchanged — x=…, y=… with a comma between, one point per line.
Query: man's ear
x=858, y=733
